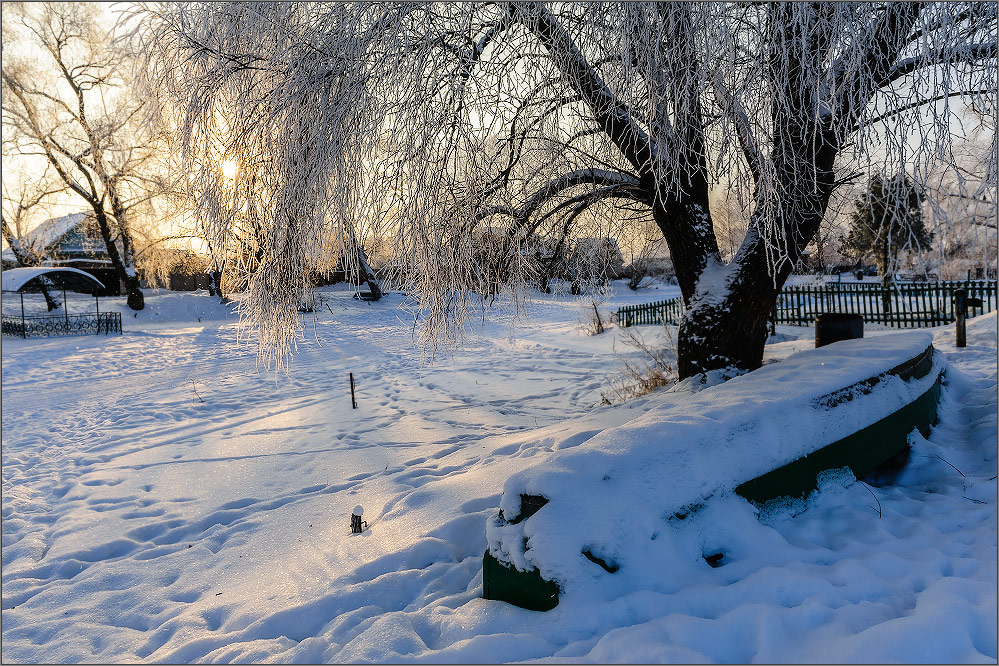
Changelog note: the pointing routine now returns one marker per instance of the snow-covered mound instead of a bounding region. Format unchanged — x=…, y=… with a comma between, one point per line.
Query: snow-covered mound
x=614, y=497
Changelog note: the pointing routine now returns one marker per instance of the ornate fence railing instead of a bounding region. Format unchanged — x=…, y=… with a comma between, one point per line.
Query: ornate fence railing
x=90, y=323
x=903, y=305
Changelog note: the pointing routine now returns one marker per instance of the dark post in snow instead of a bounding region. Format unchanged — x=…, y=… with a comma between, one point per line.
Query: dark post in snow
x=832, y=327
x=352, y=400
x=960, y=309
x=961, y=305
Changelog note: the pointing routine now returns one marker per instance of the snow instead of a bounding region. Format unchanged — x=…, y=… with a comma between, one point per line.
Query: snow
x=714, y=283
x=166, y=500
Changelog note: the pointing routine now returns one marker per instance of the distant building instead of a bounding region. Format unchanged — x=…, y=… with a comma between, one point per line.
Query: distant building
x=71, y=240
x=68, y=238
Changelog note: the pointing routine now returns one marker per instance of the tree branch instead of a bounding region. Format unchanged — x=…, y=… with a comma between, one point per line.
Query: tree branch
x=562, y=183
x=610, y=113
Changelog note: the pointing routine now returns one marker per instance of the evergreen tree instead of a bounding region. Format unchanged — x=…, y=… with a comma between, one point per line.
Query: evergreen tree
x=888, y=220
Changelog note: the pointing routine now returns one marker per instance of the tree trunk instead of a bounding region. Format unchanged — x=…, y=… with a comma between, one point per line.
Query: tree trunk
x=129, y=279
x=368, y=275
x=215, y=285
x=728, y=327
x=125, y=262
x=727, y=315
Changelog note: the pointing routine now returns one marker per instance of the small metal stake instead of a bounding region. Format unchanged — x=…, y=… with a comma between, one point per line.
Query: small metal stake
x=353, y=401
x=356, y=522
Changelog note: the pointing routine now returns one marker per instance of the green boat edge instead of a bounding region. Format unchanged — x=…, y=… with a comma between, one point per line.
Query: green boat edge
x=863, y=452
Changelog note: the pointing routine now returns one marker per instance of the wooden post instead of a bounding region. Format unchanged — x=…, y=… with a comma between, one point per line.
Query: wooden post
x=24, y=329
x=961, y=312
x=352, y=400
x=65, y=308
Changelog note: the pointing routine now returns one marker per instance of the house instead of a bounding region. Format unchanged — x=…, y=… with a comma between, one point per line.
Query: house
x=73, y=241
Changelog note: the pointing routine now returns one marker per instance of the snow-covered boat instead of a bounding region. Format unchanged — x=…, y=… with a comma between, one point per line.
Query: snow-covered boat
x=765, y=435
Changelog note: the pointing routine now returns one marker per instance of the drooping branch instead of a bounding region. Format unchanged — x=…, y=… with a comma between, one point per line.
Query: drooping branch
x=414, y=123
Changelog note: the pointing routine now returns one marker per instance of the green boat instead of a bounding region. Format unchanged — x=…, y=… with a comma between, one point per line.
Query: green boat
x=846, y=420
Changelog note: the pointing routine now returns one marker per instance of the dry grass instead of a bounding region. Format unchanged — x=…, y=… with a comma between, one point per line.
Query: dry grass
x=656, y=370
x=595, y=323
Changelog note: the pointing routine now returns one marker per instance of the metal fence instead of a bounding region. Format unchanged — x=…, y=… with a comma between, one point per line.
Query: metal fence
x=903, y=305
x=91, y=323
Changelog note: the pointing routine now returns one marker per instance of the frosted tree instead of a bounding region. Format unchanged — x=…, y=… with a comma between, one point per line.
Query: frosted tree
x=20, y=199
x=438, y=120
x=962, y=200
x=64, y=100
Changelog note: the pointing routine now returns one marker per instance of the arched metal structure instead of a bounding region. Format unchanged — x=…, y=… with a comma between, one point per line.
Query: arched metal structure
x=17, y=282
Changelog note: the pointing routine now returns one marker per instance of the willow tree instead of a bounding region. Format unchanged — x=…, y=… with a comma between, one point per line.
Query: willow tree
x=437, y=120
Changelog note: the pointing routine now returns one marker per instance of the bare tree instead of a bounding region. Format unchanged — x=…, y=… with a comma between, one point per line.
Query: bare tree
x=526, y=116
x=63, y=100
x=19, y=200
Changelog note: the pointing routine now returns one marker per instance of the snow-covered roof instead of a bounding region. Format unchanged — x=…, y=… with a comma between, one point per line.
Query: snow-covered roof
x=49, y=231
x=16, y=279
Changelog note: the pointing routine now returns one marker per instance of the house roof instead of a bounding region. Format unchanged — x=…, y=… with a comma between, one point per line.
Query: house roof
x=25, y=279
x=50, y=231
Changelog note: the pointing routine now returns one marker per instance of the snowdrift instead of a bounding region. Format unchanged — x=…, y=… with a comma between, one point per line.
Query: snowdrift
x=620, y=504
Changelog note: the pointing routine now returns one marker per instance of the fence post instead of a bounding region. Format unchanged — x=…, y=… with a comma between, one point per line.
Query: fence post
x=959, y=310
x=24, y=327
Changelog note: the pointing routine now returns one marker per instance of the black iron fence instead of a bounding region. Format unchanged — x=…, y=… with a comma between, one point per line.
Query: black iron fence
x=902, y=305
x=90, y=323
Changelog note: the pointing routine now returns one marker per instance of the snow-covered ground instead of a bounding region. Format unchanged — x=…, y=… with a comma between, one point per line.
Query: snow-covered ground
x=166, y=500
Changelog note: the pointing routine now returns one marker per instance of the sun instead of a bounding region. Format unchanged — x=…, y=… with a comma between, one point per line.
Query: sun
x=229, y=168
